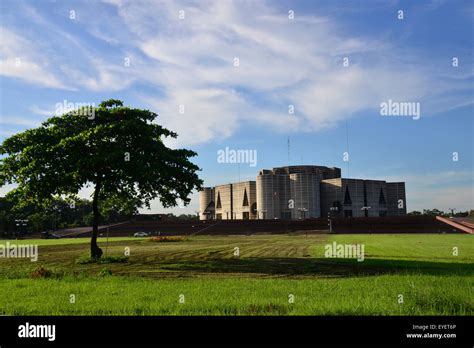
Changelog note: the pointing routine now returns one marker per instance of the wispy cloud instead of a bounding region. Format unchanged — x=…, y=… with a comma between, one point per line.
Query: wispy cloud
x=297, y=62
x=20, y=60
x=20, y=121
x=190, y=61
x=444, y=198
x=441, y=190
x=42, y=111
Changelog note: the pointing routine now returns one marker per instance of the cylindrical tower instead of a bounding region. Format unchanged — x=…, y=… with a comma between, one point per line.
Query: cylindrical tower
x=265, y=204
x=206, y=196
x=306, y=195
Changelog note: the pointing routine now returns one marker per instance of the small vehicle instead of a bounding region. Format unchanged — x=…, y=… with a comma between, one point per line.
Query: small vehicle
x=140, y=234
x=48, y=235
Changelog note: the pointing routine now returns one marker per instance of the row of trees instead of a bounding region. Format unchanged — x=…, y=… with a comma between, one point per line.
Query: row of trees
x=65, y=213
x=437, y=212
x=60, y=213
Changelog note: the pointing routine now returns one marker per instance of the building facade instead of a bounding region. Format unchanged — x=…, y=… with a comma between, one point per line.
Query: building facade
x=299, y=192
x=359, y=197
x=234, y=201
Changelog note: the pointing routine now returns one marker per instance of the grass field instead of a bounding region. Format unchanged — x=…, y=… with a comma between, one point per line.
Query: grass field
x=272, y=275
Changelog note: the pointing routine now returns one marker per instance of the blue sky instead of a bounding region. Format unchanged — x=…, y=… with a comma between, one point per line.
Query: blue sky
x=78, y=51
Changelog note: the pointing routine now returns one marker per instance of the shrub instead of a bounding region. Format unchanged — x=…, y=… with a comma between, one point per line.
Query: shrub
x=105, y=272
x=161, y=239
x=41, y=272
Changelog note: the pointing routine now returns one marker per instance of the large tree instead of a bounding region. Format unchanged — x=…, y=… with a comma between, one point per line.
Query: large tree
x=116, y=149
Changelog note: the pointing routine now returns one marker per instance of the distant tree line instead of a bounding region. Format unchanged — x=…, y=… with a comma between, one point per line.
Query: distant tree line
x=437, y=212
x=64, y=213
x=59, y=214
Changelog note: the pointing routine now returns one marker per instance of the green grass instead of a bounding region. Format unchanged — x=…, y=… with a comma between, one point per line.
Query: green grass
x=259, y=281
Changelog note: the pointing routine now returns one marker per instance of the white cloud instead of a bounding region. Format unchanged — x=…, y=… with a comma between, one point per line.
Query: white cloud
x=441, y=190
x=43, y=111
x=286, y=62
x=433, y=179
x=18, y=60
x=190, y=61
x=443, y=198
x=20, y=121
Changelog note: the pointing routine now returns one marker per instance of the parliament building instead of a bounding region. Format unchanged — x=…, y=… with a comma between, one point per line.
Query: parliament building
x=299, y=192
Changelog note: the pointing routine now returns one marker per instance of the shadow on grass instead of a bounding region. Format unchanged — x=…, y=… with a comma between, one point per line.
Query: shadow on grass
x=318, y=267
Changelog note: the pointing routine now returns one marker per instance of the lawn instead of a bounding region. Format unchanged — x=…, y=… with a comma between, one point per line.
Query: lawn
x=270, y=275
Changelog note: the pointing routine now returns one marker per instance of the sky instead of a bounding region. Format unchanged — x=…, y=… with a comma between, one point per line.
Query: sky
x=259, y=75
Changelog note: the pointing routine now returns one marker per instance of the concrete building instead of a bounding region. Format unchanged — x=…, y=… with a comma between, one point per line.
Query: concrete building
x=358, y=197
x=229, y=202
x=291, y=192
x=396, y=199
x=298, y=192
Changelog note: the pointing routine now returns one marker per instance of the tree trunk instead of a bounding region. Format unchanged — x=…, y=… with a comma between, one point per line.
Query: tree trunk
x=96, y=252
